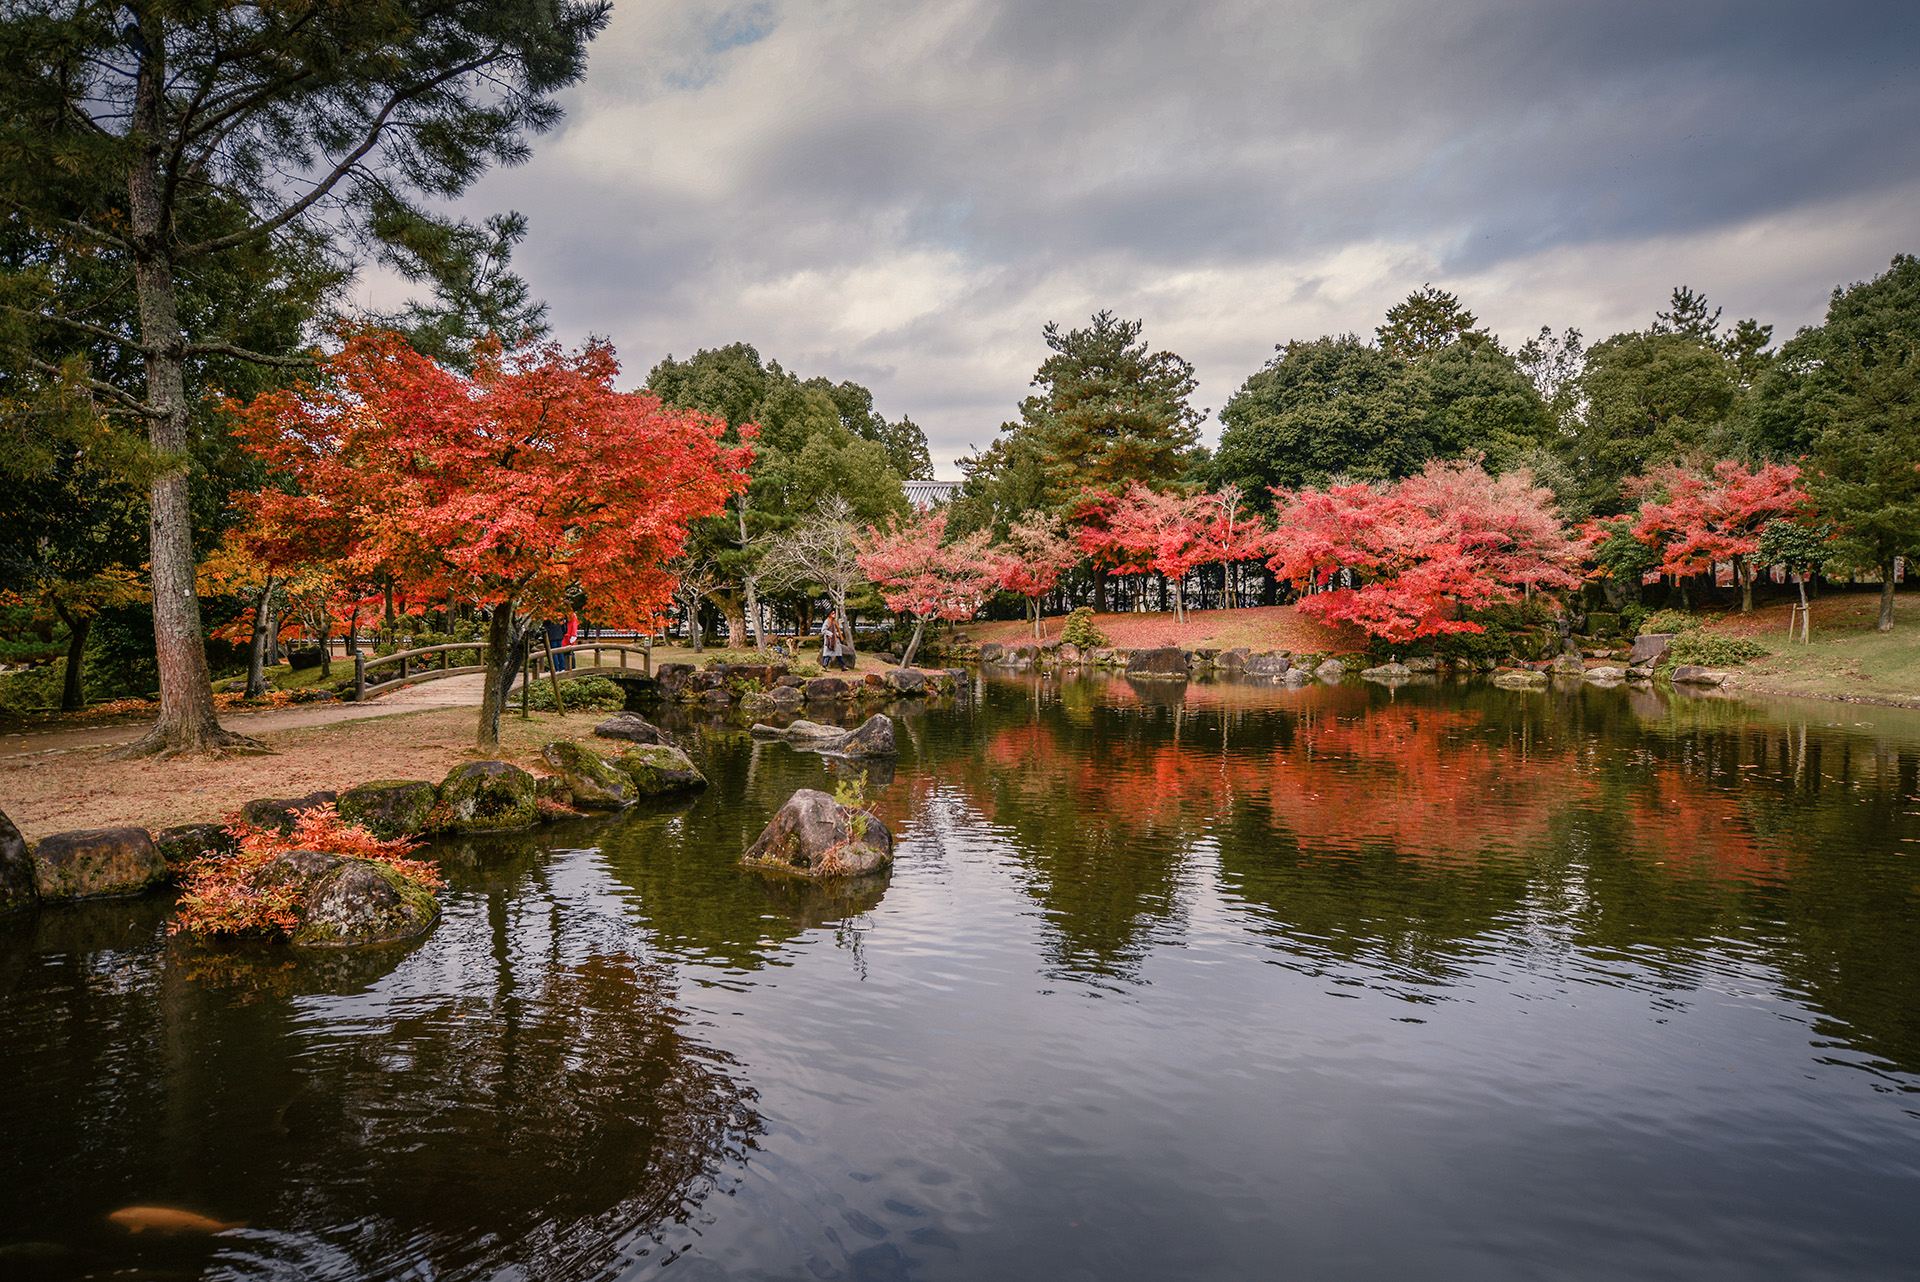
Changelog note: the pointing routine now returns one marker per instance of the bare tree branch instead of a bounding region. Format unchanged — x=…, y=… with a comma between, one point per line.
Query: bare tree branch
x=98, y=388
x=258, y=358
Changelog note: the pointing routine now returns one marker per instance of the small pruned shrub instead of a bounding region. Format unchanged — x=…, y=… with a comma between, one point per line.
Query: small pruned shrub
x=1710, y=650
x=1078, y=629
x=803, y=669
x=1669, y=620
x=582, y=694
x=218, y=895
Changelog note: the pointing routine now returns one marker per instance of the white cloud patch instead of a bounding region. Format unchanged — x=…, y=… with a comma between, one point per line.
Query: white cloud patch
x=904, y=193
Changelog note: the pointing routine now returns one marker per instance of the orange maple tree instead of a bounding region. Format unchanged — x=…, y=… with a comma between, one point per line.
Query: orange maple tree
x=533, y=479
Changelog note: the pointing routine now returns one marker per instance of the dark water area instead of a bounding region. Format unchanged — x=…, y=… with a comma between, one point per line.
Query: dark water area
x=1212, y=981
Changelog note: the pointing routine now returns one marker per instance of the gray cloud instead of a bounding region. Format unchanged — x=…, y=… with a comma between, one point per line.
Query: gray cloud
x=904, y=193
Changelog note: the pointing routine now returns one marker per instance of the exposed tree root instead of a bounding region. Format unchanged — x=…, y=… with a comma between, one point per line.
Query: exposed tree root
x=159, y=745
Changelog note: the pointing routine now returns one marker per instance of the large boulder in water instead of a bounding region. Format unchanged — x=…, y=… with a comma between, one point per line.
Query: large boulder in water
x=873, y=738
x=907, y=681
x=991, y=651
x=360, y=902
x=593, y=782
x=815, y=836
x=658, y=769
x=1331, y=670
x=1167, y=661
x=390, y=808
x=827, y=688
x=630, y=727
x=97, y=863
x=17, y=887
x=488, y=796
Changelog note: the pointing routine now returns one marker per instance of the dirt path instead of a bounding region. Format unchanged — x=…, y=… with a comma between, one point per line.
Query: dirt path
x=452, y=692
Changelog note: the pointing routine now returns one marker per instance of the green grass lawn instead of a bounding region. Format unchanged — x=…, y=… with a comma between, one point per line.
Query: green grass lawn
x=1847, y=659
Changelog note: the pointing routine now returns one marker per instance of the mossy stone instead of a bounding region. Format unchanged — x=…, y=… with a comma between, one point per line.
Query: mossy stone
x=594, y=782
x=390, y=808
x=487, y=796
x=658, y=768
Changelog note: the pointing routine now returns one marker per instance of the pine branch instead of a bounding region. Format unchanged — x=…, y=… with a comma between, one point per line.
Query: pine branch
x=99, y=388
x=258, y=358
x=341, y=170
x=98, y=331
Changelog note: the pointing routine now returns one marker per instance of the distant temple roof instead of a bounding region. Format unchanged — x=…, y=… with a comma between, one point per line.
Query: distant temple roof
x=926, y=494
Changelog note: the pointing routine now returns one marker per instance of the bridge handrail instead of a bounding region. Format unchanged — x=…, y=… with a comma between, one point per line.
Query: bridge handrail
x=536, y=662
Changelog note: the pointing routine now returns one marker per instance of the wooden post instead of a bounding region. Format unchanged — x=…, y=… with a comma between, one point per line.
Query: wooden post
x=359, y=676
x=526, y=684
x=646, y=667
x=553, y=673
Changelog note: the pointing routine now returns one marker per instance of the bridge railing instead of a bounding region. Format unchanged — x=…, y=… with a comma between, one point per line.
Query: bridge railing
x=417, y=665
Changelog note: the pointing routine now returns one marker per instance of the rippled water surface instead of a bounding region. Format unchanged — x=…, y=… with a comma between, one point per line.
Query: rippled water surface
x=1208, y=981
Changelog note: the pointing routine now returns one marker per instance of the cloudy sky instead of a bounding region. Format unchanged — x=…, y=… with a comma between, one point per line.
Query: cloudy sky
x=903, y=193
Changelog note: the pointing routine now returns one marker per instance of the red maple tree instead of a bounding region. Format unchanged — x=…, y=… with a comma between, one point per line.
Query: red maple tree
x=1163, y=532
x=1449, y=539
x=919, y=573
x=1698, y=518
x=532, y=479
x=1036, y=553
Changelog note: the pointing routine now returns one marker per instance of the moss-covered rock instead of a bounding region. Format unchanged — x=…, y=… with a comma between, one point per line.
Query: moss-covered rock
x=487, y=796
x=593, y=782
x=97, y=863
x=181, y=846
x=390, y=808
x=658, y=769
x=814, y=836
x=276, y=814
x=360, y=902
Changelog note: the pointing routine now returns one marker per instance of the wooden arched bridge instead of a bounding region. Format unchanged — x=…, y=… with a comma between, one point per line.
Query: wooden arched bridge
x=376, y=676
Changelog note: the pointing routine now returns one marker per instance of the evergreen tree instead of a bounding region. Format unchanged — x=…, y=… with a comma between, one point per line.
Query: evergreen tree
x=1107, y=411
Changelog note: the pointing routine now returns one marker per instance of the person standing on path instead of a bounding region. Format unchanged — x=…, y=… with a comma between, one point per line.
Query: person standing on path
x=832, y=642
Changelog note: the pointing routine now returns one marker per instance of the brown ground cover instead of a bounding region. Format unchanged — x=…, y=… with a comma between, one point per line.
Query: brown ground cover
x=62, y=789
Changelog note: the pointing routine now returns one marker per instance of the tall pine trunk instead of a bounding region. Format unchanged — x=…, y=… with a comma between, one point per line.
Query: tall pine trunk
x=1886, y=596
x=187, y=722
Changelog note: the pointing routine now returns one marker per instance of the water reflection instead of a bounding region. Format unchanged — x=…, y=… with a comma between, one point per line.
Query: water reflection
x=1414, y=829
x=460, y=1108
x=1171, y=979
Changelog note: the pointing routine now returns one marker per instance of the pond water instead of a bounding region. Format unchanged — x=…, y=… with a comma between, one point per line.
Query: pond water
x=1194, y=981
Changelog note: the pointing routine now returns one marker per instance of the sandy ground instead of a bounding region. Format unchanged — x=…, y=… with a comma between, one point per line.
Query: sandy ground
x=58, y=780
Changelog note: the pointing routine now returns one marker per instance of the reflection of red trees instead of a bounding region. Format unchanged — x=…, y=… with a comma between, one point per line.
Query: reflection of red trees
x=1436, y=783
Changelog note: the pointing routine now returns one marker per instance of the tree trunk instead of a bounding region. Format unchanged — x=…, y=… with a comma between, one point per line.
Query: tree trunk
x=187, y=722
x=275, y=621
x=72, y=688
x=1886, y=596
x=326, y=645
x=1742, y=575
x=500, y=674
x=257, y=650
x=913, y=645
x=1033, y=603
